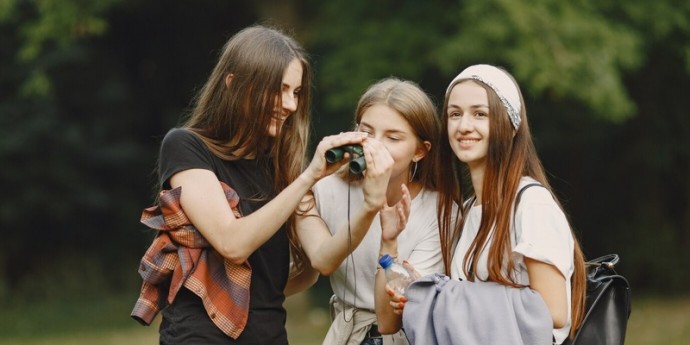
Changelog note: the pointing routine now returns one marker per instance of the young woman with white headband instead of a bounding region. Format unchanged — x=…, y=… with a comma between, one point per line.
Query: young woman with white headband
x=515, y=236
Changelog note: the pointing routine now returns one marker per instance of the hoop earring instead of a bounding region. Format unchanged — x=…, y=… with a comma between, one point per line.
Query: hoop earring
x=414, y=171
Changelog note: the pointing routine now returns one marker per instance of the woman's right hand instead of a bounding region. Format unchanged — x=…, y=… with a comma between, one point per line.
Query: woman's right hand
x=397, y=301
x=377, y=175
x=318, y=167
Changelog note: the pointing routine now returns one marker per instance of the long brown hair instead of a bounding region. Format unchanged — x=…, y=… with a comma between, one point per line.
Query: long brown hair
x=232, y=120
x=511, y=155
x=415, y=106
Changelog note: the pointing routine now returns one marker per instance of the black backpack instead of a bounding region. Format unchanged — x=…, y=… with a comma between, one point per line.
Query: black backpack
x=607, y=303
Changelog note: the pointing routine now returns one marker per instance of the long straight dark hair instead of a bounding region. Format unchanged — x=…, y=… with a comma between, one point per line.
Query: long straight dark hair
x=233, y=119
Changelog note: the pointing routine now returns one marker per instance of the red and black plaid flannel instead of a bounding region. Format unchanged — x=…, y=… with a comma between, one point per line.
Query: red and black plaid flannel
x=180, y=255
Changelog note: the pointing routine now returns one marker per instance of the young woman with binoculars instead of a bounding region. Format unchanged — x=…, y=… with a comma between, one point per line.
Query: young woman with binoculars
x=388, y=209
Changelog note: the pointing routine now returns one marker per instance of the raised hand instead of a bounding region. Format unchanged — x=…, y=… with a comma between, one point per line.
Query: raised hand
x=394, y=218
x=378, y=173
x=318, y=167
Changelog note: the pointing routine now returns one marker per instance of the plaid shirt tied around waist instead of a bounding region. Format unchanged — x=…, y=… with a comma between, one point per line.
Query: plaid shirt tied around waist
x=181, y=256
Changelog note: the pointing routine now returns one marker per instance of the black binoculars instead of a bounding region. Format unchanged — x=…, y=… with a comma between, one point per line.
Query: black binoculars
x=357, y=164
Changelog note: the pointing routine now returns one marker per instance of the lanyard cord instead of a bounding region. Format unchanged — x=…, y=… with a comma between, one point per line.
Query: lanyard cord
x=349, y=257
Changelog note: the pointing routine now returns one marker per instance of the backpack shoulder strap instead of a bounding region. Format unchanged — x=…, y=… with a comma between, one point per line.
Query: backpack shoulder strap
x=468, y=204
x=517, y=201
x=519, y=194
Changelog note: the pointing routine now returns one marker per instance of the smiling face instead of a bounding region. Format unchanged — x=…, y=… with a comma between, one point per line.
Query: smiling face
x=468, y=123
x=385, y=124
x=289, y=99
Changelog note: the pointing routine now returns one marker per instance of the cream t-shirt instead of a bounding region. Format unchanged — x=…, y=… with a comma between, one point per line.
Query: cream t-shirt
x=541, y=232
x=419, y=243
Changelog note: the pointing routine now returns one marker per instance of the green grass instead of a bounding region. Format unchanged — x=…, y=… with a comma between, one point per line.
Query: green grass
x=654, y=320
x=659, y=320
x=107, y=321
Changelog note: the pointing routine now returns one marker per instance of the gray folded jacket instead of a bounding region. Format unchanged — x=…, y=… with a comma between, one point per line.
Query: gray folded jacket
x=444, y=311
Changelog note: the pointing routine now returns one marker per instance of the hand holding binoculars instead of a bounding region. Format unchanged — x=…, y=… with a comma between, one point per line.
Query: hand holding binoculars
x=357, y=164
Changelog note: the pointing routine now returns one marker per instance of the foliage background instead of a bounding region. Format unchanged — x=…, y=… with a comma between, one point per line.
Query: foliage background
x=88, y=89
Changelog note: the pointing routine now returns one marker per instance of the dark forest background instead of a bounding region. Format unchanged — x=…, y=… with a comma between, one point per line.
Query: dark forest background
x=88, y=89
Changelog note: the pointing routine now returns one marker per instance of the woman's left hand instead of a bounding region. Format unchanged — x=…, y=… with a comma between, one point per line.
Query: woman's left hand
x=378, y=173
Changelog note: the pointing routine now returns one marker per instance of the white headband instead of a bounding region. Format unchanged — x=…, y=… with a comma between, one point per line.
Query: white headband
x=500, y=82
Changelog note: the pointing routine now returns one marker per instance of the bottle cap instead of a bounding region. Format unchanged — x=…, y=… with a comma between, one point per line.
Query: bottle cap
x=385, y=261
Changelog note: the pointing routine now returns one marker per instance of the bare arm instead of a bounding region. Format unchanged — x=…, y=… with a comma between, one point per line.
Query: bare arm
x=327, y=251
x=393, y=221
x=550, y=283
x=388, y=320
x=207, y=208
x=306, y=279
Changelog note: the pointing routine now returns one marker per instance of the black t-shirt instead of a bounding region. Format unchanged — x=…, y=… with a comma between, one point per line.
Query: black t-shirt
x=251, y=179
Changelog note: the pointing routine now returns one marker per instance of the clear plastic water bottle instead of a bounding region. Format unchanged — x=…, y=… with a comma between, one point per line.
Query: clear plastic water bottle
x=397, y=275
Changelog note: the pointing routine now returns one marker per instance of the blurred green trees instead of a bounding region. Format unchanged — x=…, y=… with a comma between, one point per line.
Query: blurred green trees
x=88, y=89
